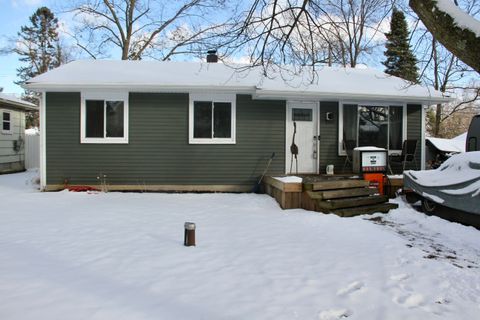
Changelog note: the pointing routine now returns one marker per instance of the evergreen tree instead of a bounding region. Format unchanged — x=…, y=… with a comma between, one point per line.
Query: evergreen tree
x=400, y=60
x=39, y=48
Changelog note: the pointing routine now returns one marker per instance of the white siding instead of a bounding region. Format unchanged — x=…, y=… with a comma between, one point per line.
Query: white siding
x=7, y=140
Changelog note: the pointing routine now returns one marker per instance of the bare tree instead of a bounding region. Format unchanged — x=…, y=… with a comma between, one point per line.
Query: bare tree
x=442, y=70
x=309, y=32
x=141, y=28
x=462, y=41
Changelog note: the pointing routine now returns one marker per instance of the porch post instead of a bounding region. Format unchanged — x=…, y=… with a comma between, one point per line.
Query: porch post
x=422, y=140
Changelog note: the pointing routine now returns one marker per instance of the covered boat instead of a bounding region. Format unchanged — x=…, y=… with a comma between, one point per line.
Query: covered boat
x=455, y=184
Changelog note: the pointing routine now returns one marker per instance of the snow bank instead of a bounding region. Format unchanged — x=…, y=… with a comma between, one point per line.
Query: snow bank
x=289, y=179
x=32, y=131
x=457, y=169
x=104, y=256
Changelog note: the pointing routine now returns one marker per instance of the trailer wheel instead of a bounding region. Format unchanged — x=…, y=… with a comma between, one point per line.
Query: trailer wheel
x=428, y=206
x=412, y=197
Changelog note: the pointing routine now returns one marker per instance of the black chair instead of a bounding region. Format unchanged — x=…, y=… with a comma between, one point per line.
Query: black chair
x=348, y=145
x=408, y=155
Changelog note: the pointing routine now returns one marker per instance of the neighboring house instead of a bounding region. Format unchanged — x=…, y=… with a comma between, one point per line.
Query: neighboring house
x=149, y=125
x=439, y=149
x=12, y=132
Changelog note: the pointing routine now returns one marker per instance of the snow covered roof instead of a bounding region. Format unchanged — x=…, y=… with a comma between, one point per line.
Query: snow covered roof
x=156, y=76
x=455, y=145
x=12, y=100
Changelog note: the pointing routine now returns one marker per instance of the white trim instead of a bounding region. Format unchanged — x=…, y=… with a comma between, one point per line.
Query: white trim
x=10, y=112
x=422, y=139
x=213, y=97
x=341, y=152
x=255, y=92
x=105, y=96
x=43, y=149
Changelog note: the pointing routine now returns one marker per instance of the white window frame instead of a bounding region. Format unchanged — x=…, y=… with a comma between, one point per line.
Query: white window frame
x=9, y=121
x=213, y=97
x=105, y=96
x=341, y=151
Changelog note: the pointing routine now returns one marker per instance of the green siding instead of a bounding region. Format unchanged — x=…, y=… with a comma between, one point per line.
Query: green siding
x=414, y=130
x=329, y=138
x=158, y=151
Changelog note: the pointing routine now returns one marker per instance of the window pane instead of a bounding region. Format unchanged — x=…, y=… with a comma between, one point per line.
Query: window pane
x=301, y=114
x=396, y=121
x=373, y=126
x=6, y=126
x=222, y=120
x=6, y=116
x=94, y=118
x=350, y=112
x=114, y=119
x=202, y=119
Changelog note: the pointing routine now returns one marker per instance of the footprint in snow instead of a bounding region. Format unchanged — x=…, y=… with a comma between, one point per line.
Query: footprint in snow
x=352, y=287
x=410, y=301
x=399, y=277
x=334, y=314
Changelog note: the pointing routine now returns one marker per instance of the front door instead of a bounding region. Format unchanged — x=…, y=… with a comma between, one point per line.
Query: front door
x=303, y=115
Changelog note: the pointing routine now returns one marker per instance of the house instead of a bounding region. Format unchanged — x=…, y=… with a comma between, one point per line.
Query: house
x=12, y=133
x=186, y=126
x=438, y=149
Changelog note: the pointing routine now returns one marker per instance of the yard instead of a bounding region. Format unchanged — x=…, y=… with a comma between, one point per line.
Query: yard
x=121, y=256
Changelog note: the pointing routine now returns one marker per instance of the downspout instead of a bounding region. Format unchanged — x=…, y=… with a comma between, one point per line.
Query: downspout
x=422, y=146
x=43, y=155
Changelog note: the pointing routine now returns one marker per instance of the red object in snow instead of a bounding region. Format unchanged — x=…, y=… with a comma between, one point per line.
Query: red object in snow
x=81, y=188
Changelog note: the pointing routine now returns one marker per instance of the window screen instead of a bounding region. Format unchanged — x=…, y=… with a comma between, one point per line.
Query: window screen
x=373, y=126
x=6, y=121
x=350, y=120
x=222, y=120
x=114, y=121
x=395, y=130
x=94, y=118
x=202, y=119
x=299, y=114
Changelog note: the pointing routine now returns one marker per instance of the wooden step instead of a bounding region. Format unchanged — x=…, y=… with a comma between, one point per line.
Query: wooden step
x=351, y=202
x=351, y=212
x=336, y=184
x=342, y=193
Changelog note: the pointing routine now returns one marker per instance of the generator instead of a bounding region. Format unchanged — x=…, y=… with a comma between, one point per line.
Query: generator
x=372, y=163
x=370, y=160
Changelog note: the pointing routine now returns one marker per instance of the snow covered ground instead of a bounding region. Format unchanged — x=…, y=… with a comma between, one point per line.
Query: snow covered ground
x=121, y=256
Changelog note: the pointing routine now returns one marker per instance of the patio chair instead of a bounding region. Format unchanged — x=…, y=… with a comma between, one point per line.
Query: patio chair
x=408, y=155
x=348, y=145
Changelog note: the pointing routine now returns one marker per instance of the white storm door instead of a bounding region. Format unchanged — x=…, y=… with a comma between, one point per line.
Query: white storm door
x=305, y=116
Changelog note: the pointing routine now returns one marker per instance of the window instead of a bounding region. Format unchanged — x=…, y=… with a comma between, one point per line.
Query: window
x=212, y=118
x=301, y=114
x=104, y=118
x=7, y=122
x=372, y=125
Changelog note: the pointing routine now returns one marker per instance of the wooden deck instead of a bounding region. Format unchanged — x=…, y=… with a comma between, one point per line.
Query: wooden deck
x=343, y=195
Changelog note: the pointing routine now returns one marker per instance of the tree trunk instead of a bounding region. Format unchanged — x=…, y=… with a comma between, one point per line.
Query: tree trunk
x=462, y=42
x=438, y=120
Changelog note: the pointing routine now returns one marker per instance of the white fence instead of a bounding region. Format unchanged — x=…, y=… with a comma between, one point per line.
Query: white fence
x=32, y=151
